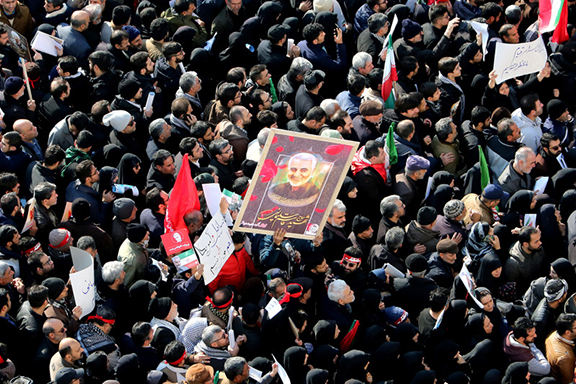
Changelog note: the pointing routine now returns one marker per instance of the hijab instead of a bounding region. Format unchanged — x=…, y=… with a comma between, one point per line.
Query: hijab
x=280, y=108
x=424, y=377
x=516, y=373
x=347, y=186
x=384, y=362
x=493, y=376
x=489, y=264
x=140, y=293
x=317, y=376
x=185, y=36
x=476, y=245
x=373, y=338
x=409, y=364
x=548, y=223
x=324, y=331
x=294, y=359
x=563, y=180
x=237, y=54
x=352, y=366
x=520, y=202
x=323, y=357
x=107, y=175
x=567, y=204
x=126, y=174
x=565, y=270
x=475, y=326
x=442, y=195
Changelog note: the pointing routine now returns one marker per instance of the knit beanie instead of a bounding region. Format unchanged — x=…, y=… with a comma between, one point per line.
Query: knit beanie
x=118, y=120
x=13, y=84
x=123, y=208
x=160, y=307
x=55, y=287
x=410, y=29
x=556, y=108
x=129, y=88
x=453, y=209
x=136, y=232
x=426, y=215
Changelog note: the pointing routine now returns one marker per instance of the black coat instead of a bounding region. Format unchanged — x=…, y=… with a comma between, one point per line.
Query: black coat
x=372, y=189
x=368, y=43
x=275, y=59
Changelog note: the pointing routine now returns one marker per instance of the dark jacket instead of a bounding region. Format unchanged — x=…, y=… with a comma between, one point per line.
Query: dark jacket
x=104, y=87
x=51, y=111
x=368, y=43
x=275, y=59
x=98, y=208
x=305, y=101
x=440, y=271
x=412, y=294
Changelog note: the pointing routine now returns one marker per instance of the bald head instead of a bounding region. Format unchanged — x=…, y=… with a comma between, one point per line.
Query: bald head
x=193, y=220
x=70, y=349
x=26, y=129
x=80, y=20
x=54, y=330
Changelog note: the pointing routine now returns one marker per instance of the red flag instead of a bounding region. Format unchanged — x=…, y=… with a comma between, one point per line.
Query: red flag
x=183, y=198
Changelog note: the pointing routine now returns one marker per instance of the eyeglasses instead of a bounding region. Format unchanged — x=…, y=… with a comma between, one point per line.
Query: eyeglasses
x=224, y=336
x=95, y=173
x=62, y=330
x=47, y=261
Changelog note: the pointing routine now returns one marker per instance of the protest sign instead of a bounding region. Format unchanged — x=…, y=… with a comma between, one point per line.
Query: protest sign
x=466, y=279
x=30, y=215
x=176, y=242
x=214, y=247
x=43, y=42
x=482, y=29
x=83, y=280
x=18, y=42
x=295, y=184
x=512, y=60
x=213, y=195
x=185, y=260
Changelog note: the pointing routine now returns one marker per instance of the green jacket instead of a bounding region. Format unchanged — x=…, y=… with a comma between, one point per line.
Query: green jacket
x=176, y=21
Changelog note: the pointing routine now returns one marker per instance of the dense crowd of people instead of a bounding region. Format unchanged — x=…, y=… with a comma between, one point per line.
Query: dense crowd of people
x=447, y=256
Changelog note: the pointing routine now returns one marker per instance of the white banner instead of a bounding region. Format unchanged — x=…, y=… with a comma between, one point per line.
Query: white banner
x=214, y=247
x=83, y=280
x=469, y=284
x=512, y=60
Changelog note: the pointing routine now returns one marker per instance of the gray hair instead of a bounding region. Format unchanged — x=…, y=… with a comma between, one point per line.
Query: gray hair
x=388, y=205
x=3, y=268
x=329, y=106
x=394, y=237
x=339, y=205
x=86, y=242
x=376, y=22
x=234, y=366
x=94, y=10
x=188, y=80
x=336, y=290
x=209, y=334
x=513, y=13
x=263, y=136
x=44, y=190
x=522, y=154
x=156, y=128
x=306, y=157
x=360, y=60
x=443, y=128
x=300, y=66
x=111, y=271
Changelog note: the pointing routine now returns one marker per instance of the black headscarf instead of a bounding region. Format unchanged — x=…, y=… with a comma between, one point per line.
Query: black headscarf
x=324, y=331
x=567, y=204
x=317, y=376
x=280, y=108
x=237, y=54
x=294, y=358
x=347, y=186
x=520, y=202
x=409, y=364
x=552, y=238
x=323, y=357
x=442, y=195
x=424, y=377
x=562, y=181
x=489, y=264
x=126, y=174
x=140, y=293
x=374, y=336
x=493, y=376
x=107, y=175
x=384, y=362
x=352, y=366
x=565, y=270
x=516, y=373
x=185, y=36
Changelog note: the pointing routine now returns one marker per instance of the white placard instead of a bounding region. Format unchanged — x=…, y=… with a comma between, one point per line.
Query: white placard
x=231, y=338
x=214, y=247
x=540, y=185
x=149, y=101
x=282, y=372
x=43, y=42
x=530, y=219
x=512, y=60
x=289, y=46
x=254, y=374
x=467, y=281
x=393, y=271
x=482, y=29
x=273, y=308
x=213, y=195
x=83, y=280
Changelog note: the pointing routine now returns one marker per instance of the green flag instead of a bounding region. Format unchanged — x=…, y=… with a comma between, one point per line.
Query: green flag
x=484, y=172
x=392, y=153
x=273, y=91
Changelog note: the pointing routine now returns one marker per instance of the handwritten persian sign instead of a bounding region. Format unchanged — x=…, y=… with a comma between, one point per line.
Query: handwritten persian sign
x=214, y=247
x=512, y=60
x=83, y=280
x=295, y=184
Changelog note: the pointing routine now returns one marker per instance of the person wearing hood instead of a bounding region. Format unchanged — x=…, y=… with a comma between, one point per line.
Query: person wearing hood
x=370, y=174
x=519, y=346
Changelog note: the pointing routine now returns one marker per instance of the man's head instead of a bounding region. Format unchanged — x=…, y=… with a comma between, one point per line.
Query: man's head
x=447, y=250
x=45, y=194
x=342, y=122
x=492, y=194
x=524, y=330
x=524, y=160
x=11, y=141
x=480, y=117
x=566, y=326
x=371, y=110
x=14, y=86
x=193, y=220
x=314, y=33
x=509, y=34
x=315, y=118
x=556, y=290
x=392, y=207
x=80, y=20
x=416, y=167
x=558, y=110
x=411, y=31
x=215, y=337
x=362, y=227
x=240, y=115
x=6, y=274
x=190, y=146
x=40, y=263
x=529, y=238
x=446, y=130
x=9, y=237
x=222, y=151
x=203, y=132
x=450, y=67
x=100, y=62
x=407, y=106
x=439, y=16
x=164, y=162
x=159, y=29
x=531, y=106
x=200, y=374
x=426, y=217
x=416, y=265
x=234, y=6
x=378, y=24
x=236, y=369
x=378, y=6
x=173, y=52
x=394, y=238
x=160, y=130
x=259, y=75
x=228, y=94
x=337, y=216
x=141, y=63
x=374, y=152
x=340, y=292
x=551, y=144
x=113, y=273
x=120, y=40
x=38, y=297
x=70, y=350
x=134, y=37
x=190, y=83
x=60, y=88
x=508, y=130
x=54, y=330
x=362, y=62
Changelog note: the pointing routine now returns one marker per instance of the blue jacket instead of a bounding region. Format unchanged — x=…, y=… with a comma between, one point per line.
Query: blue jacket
x=361, y=18
x=98, y=208
x=320, y=59
x=350, y=103
x=75, y=44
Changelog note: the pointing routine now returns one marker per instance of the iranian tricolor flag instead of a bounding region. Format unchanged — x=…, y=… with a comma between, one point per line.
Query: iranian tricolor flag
x=554, y=17
x=390, y=74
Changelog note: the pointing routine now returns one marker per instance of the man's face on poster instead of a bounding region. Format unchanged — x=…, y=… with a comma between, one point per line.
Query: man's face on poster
x=299, y=172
